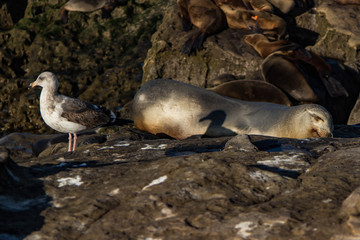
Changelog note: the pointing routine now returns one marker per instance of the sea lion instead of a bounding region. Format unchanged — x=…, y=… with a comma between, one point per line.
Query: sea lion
x=265, y=47
x=350, y=2
x=266, y=22
x=292, y=7
x=222, y=78
x=203, y=14
x=89, y=6
x=283, y=73
x=252, y=90
x=180, y=110
x=295, y=58
x=257, y=5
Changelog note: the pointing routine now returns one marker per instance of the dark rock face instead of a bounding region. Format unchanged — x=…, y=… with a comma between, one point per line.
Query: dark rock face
x=136, y=186
x=122, y=183
x=94, y=59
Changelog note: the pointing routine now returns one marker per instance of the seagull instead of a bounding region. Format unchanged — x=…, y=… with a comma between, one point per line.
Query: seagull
x=66, y=114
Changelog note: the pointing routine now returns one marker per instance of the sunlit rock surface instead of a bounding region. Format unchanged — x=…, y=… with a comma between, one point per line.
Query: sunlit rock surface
x=136, y=186
x=122, y=183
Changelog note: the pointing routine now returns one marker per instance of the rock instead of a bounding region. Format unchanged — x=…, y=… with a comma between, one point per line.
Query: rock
x=350, y=212
x=11, y=13
x=240, y=142
x=21, y=201
x=96, y=59
x=223, y=53
x=122, y=183
x=351, y=205
x=337, y=25
x=135, y=185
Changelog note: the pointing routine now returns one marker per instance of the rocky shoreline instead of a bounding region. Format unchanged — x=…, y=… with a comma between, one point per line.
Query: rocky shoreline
x=130, y=185
x=122, y=183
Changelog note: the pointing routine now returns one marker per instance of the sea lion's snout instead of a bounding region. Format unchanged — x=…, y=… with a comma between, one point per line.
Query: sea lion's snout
x=322, y=133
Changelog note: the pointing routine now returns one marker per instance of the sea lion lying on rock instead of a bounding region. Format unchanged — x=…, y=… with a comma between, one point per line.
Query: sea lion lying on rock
x=203, y=14
x=211, y=18
x=258, y=21
x=180, y=110
x=253, y=91
x=285, y=65
x=89, y=6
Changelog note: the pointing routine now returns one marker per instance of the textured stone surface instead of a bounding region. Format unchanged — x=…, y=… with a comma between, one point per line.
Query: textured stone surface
x=136, y=186
x=223, y=53
x=122, y=183
x=98, y=60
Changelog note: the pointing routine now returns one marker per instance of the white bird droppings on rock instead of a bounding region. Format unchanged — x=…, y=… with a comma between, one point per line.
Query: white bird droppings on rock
x=328, y=200
x=245, y=228
x=155, y=182
x=106, y=147
x=122, y=144
x=148, y=146
x=70, y=181
x=114, y=192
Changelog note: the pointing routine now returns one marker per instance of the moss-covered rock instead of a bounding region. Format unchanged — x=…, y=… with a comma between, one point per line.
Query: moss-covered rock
x=98, y=60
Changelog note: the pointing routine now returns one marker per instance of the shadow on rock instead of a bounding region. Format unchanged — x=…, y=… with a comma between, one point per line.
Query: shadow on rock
x=22, y=199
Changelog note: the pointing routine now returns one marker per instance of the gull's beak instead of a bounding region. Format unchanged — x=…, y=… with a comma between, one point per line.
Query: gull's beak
x=33, y=84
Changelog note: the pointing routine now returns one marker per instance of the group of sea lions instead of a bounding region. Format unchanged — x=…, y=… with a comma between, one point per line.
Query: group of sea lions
x=180, y=110
x=211, y=17
x=292, y=76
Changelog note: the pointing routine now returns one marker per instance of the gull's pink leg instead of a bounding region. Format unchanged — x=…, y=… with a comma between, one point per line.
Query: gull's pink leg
x=70, y=140
x=75, y=138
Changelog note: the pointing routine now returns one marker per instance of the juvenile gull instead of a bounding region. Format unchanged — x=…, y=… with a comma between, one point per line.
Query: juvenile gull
x=66, y=114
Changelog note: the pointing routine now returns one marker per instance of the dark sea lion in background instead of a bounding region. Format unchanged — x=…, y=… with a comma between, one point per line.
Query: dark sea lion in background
x=180, y=110
x=259, y=21
x=222, y=78
x=350, y=2
x=89, y=6
x=204, y=15
x=264, y=47
x=257, y=5
x=292, y=7
x=253, y=91
x=296, y=59
x=354, y=117
x=284, y=74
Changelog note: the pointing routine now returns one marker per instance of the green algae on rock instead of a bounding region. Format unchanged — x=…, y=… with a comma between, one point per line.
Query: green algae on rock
x=83, y=53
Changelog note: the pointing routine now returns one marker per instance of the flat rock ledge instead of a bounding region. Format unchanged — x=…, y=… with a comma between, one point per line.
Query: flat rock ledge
x=132, y=185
